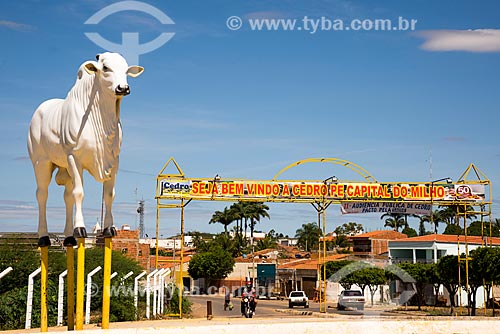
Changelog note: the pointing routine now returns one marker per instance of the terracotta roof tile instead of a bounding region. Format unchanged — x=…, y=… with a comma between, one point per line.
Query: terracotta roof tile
x=446, y=238
x=381, y=234
x=309, y=263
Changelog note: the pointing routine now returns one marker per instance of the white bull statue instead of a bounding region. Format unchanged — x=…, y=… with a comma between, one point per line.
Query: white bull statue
x=81, y=132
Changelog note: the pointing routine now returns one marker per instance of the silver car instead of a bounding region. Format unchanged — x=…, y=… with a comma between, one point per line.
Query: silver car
x=351, y=299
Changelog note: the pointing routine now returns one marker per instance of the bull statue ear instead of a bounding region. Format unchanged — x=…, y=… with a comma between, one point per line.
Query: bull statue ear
x=90, y=67
x=135, y=71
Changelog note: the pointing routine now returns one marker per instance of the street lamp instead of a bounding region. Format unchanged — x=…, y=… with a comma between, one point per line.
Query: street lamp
x=331, y=179
x=448, y=181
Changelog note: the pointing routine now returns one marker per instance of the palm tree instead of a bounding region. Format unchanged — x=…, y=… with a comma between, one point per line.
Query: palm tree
x=395, y=221
x=238, y=210
x=450, y=213
x=437, y=217
x=242, y=211
x=406, y=215
x=225, y=217
x=268, y=242
x=421, y=225
x=257, y=210
x=307, y=236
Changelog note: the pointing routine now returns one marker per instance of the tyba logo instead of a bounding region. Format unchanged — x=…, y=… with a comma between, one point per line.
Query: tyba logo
x=130, y=47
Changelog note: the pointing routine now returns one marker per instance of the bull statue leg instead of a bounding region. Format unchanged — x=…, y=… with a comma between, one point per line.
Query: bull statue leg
x=75, y=171
x=43, y=175
x=109, y=229
x=63, y=178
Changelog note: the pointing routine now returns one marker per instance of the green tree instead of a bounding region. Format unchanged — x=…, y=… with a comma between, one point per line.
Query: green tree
x=342, y=233
x=483, y=271
x=495, y=227
x=308, y=236
x=214, y=264
x=173, y=306
x=340, y=271
x=410, y=232
x=421, y=225
x=257, y=211
x=482, y=229
x=450, y=214
x=394, y=221
x=453, y=230
x=243, y=212
x=370, y=276
x=436, y=281
x=341, y=241
x=447, y=272
x=436, y=218
x=226, y=218
x=25, y=260
x=349, y=229
x=226, y=243
x=198, y=241
x=121, y=304
x=422, y=274
x=269, y=241
x=237, y=209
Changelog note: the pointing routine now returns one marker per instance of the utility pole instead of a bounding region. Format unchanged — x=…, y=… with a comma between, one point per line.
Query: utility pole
x=140, y=211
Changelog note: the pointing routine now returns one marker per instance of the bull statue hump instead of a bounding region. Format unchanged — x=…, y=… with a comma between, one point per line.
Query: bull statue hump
x=81, y=132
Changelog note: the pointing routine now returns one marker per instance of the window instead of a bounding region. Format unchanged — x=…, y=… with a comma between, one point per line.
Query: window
x=124, y=250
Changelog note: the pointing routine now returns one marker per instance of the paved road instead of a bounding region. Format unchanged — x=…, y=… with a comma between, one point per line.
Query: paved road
x=269, y=309
x=265, y=308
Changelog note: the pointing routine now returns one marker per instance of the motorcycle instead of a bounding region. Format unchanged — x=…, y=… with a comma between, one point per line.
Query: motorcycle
x=247, y=307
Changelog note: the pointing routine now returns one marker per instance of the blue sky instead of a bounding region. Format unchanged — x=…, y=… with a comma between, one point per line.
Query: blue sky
x=245, y=103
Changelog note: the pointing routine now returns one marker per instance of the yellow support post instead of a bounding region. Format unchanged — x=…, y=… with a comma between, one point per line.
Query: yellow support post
x=80, y=283
x=466, y=260
x=70, y=296
x=181, y=283
x=324, y=260
x=459, y=276
x=43, y=293
x=320, y=262
x=106, y=282
x=158, y=234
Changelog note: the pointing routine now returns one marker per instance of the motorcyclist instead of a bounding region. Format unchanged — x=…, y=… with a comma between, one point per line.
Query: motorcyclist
x=251, y=295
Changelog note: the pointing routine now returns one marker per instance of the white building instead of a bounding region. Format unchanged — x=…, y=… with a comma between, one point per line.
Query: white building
x=430, y=248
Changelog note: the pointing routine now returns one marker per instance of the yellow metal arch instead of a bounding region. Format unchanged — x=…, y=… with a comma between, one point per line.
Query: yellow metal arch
x=356, y=168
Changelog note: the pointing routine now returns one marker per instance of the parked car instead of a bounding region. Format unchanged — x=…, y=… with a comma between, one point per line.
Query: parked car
x=298, y=298
x=351, y=299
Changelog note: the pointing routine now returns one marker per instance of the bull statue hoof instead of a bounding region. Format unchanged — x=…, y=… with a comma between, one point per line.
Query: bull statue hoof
x=69, y=241
x=44, y=241
x=109, y=232
x=80, y=232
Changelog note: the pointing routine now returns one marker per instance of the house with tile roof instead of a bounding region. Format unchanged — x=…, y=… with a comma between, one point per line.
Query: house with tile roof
x=374, y=243
x=430, y=248
x=301, y=274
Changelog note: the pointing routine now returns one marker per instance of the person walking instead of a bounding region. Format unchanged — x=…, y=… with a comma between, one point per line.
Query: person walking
x=227, y=299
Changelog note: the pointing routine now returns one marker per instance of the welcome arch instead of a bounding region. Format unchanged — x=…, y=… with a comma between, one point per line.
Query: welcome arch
x=354, y=197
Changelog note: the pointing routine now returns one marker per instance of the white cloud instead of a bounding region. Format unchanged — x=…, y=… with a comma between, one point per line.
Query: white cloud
x=16, y=25
x=480, y=40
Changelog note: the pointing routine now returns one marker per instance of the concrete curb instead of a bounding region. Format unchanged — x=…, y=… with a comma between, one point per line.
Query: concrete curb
x=294, y=312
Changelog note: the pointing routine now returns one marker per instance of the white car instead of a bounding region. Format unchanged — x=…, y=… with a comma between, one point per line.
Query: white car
x=298, y=298
x=351, y=299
